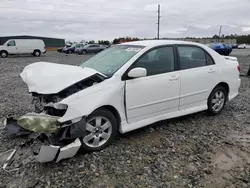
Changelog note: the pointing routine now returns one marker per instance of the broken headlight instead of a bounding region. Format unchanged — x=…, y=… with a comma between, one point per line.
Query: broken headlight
x=41, y=123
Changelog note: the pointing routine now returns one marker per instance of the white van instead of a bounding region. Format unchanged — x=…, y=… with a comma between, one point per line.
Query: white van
x=22, y=46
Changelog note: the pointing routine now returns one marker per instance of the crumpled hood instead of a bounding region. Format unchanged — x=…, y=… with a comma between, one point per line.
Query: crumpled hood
x=51, y=78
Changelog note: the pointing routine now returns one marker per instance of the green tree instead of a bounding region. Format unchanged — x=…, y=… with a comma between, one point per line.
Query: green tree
x=92, y=42
x=115, y=41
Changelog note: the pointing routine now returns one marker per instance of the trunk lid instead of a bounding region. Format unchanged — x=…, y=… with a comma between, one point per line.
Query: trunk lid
x=231, y=58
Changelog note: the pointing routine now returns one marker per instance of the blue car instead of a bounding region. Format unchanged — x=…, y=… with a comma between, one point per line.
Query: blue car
x=221, y=48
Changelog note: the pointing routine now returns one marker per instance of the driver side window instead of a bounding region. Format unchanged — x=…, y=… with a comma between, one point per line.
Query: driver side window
x=11, y=43
x=157, y=61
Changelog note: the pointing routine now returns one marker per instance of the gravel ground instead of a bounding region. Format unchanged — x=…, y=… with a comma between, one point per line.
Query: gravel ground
x=192, y=151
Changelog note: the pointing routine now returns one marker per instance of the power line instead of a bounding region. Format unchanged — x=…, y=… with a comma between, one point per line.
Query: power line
x=186, y=31
x=71, y=12
x=75, y=21
x=188, y=22
x=48, y=3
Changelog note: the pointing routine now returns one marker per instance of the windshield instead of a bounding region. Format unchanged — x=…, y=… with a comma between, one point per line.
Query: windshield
x=110, y=60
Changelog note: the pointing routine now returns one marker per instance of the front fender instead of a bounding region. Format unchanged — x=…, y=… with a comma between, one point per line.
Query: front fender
x=85, y=105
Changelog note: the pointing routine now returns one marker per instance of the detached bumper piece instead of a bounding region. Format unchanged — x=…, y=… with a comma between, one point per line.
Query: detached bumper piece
x=44, y=124
x=55, y=153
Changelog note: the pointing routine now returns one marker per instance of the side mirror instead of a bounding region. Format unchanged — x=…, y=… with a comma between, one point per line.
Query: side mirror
x=137, y=73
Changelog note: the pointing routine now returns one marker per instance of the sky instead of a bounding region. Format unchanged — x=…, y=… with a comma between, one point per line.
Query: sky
x=107, y=19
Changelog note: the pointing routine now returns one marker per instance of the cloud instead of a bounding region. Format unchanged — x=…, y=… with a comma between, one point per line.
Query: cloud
x=246, y=29
x=107, y=19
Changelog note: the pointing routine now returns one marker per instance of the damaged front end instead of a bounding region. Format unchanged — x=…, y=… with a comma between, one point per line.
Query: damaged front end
x=63, y=139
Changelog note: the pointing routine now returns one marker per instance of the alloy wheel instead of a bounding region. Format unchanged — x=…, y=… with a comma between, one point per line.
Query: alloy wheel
x=218, y=100
x=99, y=130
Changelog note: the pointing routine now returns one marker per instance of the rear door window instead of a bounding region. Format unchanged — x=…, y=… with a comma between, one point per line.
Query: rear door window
x=191, y=57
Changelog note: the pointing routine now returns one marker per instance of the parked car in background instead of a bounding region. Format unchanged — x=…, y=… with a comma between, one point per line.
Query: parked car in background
x=91, y=48
x=129, y=86
x=242, y=46
x=60, y=49
x=66, y=46
x=221, y=48
x=78, y=47
x=235, y=46
x=72, y=48
x=22, y=46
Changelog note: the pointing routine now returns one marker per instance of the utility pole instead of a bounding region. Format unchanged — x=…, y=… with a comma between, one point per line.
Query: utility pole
x=219, y=33
x=158, y=23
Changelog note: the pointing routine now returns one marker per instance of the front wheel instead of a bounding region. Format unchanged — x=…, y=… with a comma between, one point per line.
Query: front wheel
x=37, y=53
x=3, y=54
x=217, y=100
x=101, y=130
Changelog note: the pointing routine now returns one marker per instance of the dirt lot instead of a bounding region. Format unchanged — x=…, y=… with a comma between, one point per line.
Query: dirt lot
x=192, y=151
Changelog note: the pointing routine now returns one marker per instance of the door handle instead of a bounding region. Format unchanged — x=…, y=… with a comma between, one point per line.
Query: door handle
x=173, y=78
x=211, y=71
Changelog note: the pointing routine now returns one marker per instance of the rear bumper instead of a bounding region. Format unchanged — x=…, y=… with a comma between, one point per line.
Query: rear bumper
x=234, y=90
x=233, y=95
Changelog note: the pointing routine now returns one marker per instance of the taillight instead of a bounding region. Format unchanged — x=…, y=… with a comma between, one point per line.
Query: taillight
x=238, y=67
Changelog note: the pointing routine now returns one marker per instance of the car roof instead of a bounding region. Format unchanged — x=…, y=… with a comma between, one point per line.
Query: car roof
x=152, y=43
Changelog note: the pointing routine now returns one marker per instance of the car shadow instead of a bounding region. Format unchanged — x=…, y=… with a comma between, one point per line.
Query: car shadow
x=151, y=133
x=22, y=56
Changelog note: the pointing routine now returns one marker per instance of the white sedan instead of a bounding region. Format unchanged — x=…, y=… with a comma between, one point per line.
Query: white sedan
x=242, y=46
x=129, y=86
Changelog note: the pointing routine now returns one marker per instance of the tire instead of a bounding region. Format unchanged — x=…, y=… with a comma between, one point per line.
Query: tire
x=94, y=139
x=79, y=53
x=217, y=100
x=4, y=54
x=37, y=53
x=84, y=52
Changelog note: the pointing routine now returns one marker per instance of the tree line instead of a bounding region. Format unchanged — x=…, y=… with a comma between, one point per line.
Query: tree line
x=241, y=39
x=115, y=41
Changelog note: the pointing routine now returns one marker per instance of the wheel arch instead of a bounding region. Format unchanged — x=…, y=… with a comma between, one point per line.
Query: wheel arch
x=37, y=50
x=114, y=111
x=225, y=85
x=4, y=51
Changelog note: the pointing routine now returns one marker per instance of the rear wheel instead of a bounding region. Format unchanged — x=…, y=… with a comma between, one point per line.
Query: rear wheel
x=37, y=53
x=4, y=54
x=217, y=100
x=101, y=130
